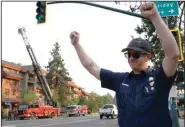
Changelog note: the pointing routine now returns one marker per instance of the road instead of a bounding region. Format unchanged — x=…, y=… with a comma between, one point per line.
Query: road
x=90, y=121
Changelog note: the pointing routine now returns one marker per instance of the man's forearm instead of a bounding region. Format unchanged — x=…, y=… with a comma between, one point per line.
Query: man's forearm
x=86, y=61
x=169, y=43
x=84, y=58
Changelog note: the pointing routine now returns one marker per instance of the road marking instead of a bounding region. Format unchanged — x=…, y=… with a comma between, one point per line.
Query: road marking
x=9, y=126
x=14, y=125
x=87, y=120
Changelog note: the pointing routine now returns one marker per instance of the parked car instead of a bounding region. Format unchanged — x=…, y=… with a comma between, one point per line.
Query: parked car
x=108, y=110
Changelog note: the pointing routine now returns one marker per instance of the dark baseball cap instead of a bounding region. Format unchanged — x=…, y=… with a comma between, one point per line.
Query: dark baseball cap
x=140, y=45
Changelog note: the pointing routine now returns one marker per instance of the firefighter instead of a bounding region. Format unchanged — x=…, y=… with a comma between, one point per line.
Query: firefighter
x=142, y=94
x=9, y=115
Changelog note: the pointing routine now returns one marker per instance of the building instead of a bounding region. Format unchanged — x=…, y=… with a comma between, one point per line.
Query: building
x=74, y=88
x=12, y=75
x=16, y=79
x=31, y=82
x=77, y=91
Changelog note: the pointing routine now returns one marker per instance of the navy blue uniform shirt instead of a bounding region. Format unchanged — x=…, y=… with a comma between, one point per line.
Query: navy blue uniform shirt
x=142, y=98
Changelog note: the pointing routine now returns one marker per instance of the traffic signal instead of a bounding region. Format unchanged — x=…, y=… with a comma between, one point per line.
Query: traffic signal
x=41, y=12
x=176, y=33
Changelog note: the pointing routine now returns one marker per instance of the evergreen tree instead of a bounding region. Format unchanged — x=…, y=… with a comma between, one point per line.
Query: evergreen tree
x=58, y=75
x=148, y=30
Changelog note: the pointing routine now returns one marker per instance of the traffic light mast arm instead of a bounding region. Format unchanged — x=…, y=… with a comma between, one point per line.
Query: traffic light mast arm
x=100, y=6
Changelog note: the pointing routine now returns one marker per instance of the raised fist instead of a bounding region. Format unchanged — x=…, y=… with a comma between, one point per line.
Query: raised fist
x=149, y=10
x=74, y=37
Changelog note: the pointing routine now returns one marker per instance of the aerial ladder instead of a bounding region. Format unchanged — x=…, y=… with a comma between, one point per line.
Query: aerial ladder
x=37, y=68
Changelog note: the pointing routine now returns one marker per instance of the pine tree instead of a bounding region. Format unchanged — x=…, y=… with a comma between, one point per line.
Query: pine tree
x=58, y=75
x=56, y=66
x=148, y=30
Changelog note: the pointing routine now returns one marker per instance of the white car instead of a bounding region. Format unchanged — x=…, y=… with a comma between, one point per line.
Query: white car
x=108, y=110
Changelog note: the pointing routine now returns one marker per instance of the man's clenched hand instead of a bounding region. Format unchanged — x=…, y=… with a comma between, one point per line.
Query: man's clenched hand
x=74, y=37
x=149, y=10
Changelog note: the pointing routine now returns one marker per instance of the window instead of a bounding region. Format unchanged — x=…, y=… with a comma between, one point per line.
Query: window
x=34, y=106
x=10, y=82
x=7, y=81
x=7, y=92
x=108, y=106
x=6, y=69
x=14, y=92
x=23, y=106
x=12, y=71
x=70, y=107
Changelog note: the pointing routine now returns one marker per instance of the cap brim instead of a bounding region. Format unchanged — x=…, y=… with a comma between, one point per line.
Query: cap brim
x=133, y=48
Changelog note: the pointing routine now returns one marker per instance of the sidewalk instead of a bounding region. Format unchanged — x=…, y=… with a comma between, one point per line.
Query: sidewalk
x=181, y=122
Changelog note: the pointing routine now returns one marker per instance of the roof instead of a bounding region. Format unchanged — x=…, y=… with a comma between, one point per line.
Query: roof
x=77, y=92
x=84, y=93
x=27, y=67
x=12, y=65
x=13, y=75
x=72, y=84
x=80, y=89
x=31, y=68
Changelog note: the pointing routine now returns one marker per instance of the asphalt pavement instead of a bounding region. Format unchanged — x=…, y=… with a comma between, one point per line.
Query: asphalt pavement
x=83, y=121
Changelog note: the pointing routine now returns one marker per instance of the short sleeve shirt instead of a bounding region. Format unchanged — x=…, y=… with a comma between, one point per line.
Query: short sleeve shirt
x=142, y=98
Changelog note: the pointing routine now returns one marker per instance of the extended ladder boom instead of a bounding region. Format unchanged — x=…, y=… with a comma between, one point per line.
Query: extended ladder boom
x=36, y=66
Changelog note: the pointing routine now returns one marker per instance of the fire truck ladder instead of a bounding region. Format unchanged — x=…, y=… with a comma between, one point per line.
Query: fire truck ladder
x=37, y=68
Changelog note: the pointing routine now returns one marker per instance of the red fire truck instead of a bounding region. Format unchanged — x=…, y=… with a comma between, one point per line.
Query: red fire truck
x=76, y=110
x=36, y=111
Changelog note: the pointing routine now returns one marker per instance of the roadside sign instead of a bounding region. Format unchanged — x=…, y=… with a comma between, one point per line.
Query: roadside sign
x=167, y=8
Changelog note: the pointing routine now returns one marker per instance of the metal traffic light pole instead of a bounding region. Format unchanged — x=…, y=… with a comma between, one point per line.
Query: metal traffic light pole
x=100, y=6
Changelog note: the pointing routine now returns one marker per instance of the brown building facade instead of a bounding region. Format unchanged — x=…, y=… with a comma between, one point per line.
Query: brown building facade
x=16, y=79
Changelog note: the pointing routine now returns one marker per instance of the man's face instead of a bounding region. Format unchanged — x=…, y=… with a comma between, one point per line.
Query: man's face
x=136, y=59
